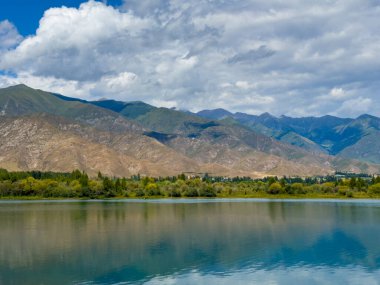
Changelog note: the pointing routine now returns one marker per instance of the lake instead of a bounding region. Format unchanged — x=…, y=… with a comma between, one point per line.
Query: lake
x=240, y=241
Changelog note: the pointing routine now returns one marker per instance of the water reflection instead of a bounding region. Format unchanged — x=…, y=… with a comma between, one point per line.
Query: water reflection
x=161, y=243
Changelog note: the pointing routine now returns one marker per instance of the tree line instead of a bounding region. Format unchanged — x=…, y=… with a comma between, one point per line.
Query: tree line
x=78, y=184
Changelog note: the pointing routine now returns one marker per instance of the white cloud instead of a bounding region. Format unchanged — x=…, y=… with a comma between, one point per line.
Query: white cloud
x=79, y=44
x=112, y=86
x=119, y=82
x=294, y=57
x=355, y=106
x=9, y=36
x=244, y=85
x=67, y=87
x=338, y=93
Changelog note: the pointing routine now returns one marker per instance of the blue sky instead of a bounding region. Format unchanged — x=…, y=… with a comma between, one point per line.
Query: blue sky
x=295, y=57
x=25, y=14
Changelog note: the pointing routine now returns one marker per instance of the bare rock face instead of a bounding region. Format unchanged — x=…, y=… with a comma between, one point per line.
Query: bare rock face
x=49, y=132
x=35, y=143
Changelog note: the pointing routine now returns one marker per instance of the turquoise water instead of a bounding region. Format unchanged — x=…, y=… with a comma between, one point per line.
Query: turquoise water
x=190, y=242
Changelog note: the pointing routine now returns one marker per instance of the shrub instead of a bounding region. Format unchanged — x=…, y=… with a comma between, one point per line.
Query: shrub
x=139, y=193
x=152, y=190
x=275, y=188
x=174, y=193
x=298, y=188
x=316, y=188
x=374, y=189
x=328, y=187
x=289, y=189
x=342, y=190
x=207, y=192
x=190, y=192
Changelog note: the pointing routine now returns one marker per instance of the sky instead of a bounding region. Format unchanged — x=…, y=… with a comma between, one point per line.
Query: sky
x=295, y=58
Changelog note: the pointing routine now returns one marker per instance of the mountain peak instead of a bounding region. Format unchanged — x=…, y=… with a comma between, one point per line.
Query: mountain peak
x=19, y=86
x=366, y=117
x=267, y=115
x=214, y=114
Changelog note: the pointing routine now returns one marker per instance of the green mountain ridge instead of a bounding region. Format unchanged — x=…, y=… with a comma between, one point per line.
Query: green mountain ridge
x=21, y=100
x=343, y=137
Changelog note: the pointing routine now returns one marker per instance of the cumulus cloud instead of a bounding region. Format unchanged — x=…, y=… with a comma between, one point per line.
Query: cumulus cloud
x=295, y=57
x=354, y=106
x=9, y=36
x=78, y=44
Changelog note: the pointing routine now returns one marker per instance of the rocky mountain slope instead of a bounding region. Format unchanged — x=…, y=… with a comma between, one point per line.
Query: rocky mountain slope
x=45, y=142
x=343, y=137
x=45, y=131
x=221, y=139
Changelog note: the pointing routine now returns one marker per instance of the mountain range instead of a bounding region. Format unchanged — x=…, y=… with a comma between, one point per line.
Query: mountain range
x=52, y=132
x=345, y=137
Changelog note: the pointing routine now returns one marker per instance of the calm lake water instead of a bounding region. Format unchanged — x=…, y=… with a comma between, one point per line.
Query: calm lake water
x=190, y=242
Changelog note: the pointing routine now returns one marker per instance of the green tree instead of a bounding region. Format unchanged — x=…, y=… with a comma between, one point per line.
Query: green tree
x=275, y=188
x=28, y=186
x=328, y=187
x=361, y=184
x=83, y=180
x=352, y=183
x=272, y=180
x=182, y=176
x=152, y=189
x=298, y=188
x=124, y=183
x=118, y=187
x=146, y=180
x=4, y=174
x=207, y=191
x=108, y=187
x=76, y=174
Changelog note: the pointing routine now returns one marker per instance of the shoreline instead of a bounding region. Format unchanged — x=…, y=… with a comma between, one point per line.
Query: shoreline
x=237, y=197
